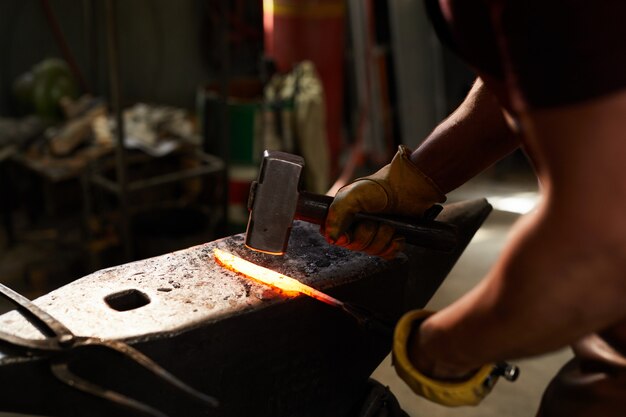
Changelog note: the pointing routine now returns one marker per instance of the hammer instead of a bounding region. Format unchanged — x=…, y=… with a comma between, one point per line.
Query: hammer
x=276, y=200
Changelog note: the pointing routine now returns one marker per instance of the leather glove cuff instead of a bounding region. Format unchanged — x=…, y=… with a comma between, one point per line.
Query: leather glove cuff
x=452, y=394
x=408, y=190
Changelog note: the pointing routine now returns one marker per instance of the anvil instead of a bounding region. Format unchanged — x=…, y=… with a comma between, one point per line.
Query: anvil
x=257, y=352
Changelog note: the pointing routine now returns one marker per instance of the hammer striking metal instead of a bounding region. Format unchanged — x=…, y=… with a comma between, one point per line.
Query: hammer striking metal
x=276, y=200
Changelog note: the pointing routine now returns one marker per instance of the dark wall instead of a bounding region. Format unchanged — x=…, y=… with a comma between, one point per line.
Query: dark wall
x=167, y=48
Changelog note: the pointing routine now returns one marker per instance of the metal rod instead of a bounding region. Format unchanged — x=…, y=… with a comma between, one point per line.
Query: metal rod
x=168, y=178
x=224, y=92
x=276, y=280
x=116, y=104
x=105, y=183
x=57, y=33
x=113, y=187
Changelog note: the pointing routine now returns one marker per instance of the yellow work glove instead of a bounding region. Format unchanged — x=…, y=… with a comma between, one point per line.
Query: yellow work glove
x=398, y=188
x=451, y=394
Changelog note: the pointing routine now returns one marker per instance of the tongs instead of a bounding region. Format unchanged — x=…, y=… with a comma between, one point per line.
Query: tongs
x=61, y=344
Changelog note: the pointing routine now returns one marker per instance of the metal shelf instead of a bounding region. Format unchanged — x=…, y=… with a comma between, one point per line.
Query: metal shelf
x=121, y=186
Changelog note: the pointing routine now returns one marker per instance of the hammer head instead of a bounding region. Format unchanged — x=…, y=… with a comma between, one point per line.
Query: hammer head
x=273, y=201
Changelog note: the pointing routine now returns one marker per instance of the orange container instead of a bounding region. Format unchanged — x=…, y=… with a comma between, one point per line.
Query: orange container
x=297, y=30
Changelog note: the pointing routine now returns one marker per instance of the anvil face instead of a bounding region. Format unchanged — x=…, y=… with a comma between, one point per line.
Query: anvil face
x=258, y=353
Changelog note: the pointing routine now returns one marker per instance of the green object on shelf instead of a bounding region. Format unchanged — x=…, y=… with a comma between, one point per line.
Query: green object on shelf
x=244, y=131
x=244, y=143
x=40, y=90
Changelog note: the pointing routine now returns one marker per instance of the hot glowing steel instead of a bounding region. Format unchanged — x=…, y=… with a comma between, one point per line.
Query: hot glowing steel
x=287, y=285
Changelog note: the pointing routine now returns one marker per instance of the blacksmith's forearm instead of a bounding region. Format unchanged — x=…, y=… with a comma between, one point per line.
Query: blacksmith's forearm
x=543, y=294
x=471, y=139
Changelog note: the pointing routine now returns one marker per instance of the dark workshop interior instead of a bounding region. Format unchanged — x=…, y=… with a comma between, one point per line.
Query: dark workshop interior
x=130, y=132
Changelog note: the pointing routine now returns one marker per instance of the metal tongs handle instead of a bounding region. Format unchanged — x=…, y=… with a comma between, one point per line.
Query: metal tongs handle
x=369, y=320
x=58, y=335
x=61, y=340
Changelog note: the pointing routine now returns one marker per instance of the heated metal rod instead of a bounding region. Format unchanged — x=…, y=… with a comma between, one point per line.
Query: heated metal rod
x=266, y=276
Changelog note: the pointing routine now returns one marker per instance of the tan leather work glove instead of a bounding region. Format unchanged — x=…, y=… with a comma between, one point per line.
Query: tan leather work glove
x=397, y=188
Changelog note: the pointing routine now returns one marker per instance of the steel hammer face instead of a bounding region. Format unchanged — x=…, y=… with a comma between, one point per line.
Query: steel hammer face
x=273, y=201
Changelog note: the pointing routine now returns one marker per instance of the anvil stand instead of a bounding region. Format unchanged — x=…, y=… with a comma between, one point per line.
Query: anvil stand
x=256, y=352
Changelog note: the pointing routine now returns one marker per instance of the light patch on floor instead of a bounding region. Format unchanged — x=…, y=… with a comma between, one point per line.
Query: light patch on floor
x=520, y=203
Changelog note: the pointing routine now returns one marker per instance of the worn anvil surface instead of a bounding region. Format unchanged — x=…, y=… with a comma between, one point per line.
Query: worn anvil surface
x=257, y=352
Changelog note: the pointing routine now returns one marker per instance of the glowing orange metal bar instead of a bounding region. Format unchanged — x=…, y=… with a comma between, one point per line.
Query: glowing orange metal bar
x=285, y=284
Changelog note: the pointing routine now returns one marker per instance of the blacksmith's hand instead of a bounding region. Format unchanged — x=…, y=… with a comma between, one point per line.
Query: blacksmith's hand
x=468, y=388
x=398, y=188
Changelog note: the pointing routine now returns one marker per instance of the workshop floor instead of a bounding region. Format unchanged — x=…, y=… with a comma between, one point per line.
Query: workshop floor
x=510, y=196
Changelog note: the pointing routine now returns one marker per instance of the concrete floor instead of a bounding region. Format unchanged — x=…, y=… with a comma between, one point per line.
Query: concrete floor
x=519, y=399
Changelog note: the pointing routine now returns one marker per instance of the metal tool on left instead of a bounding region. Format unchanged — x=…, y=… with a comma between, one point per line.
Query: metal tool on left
x=61, y=345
